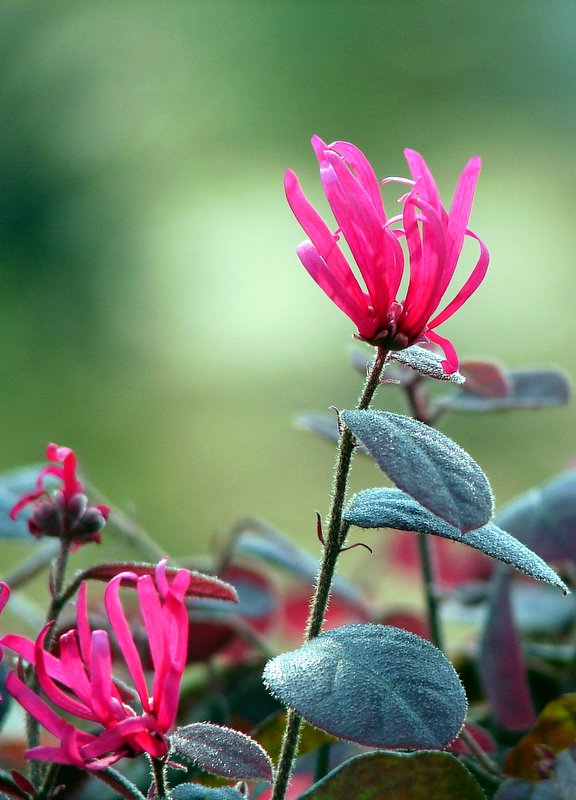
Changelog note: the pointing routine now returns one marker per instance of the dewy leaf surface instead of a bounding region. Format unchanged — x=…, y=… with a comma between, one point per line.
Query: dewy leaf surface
x=398, y=776
x=425, y=363
x=392, y=508
x=372, y=684
x=222, y=751
x=427, y=465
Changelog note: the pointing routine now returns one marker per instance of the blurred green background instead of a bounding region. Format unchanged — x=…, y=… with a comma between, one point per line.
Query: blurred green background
x=154, y=314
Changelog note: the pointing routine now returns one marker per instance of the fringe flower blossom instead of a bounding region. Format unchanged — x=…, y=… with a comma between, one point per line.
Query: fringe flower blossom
x=66, y=514
x=79, y=680
x=434, y=239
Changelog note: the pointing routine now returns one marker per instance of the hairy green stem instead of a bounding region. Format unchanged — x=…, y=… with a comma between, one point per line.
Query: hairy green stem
x=117, y=781
x=334, y=540
x=431, y=595
x=158, y=770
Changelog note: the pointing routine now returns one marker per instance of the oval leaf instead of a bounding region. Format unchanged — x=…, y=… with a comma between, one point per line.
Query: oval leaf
x=392, y=508
x=374, y=685
x=536, y=388
x=398, y=776
x=486, y=379
x=195, y=791
x=426, y=363
x=544, y=518
x=222, y=751
x=427, y=465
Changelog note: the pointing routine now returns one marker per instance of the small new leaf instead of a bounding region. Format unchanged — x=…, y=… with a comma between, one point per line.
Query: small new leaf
x=222, y=751
x=426, y=363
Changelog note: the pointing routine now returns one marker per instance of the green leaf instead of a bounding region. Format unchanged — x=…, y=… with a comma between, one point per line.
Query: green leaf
x=427, y=465
x=194, y=791
x=426, y=363
x=392, y=508
x=398, y=776
x=372, y=684
x=222, y=751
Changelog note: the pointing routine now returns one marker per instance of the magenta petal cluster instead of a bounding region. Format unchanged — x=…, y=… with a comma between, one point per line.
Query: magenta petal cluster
x=79, y=681
x=66, y=514
x=433, y=238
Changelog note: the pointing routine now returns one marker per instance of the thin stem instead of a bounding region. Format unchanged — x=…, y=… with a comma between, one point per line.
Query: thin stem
x=432, y=604
x=332, y=547
x=158, y=770
x=322, y=765
x=50, y=775
x=117, y=781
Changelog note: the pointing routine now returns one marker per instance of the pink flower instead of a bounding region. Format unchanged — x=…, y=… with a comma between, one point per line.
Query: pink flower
x=79, y=680
x=434, y=239
x=66, y=514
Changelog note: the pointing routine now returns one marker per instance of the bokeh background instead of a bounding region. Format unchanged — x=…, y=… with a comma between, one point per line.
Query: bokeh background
x=154, y=315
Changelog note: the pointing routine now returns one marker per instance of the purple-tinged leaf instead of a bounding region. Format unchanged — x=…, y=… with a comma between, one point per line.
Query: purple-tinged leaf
x=392, y=508
x=501, y=661
x=427, y=465
x=222, y=751
x=200, y=585
x=10, y=788
x=372, y=684
x=398, y=776
x=544, y=518
x=266, y=544
x=486, y=379
x=528, y=389
x=426, y=363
